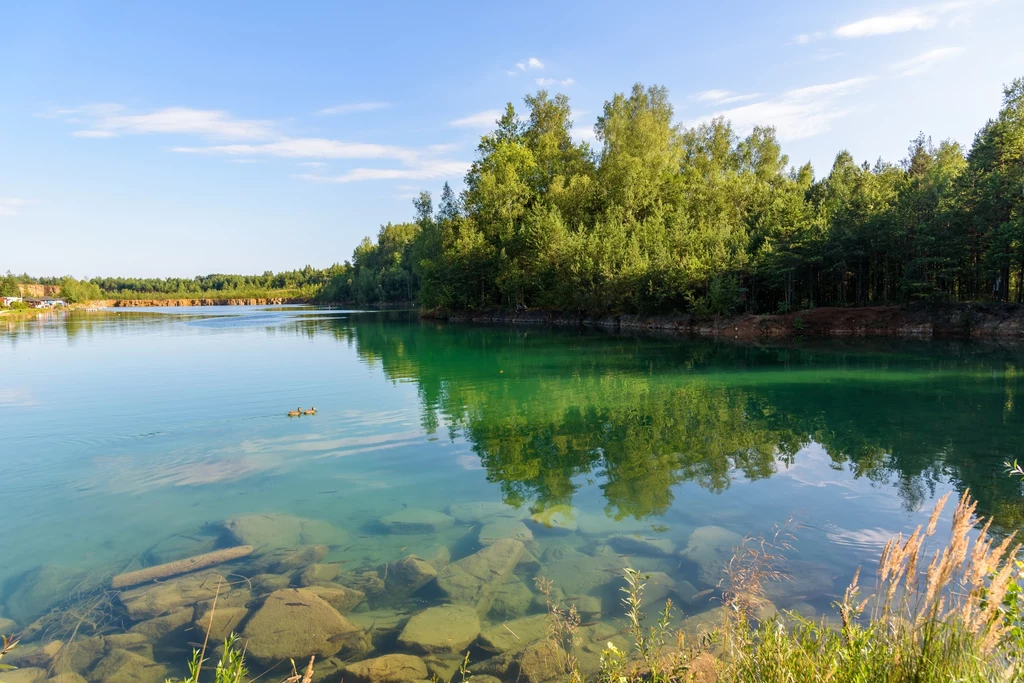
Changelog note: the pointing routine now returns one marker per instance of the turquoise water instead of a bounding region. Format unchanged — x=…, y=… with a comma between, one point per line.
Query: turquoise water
x=129, y=437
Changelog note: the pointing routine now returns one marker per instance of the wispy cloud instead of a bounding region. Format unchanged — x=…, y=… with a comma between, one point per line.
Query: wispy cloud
x=911, y=19
x=529, y=64
x=796, y=114
x=925, y=61
x=108, y=120
x=484, y=119
x=309, y=148
x=723, y=96
x=429, y=170
x=584, y=133
x=312, y=164
x=11, y=206
x=354, y=107
x=553, y=81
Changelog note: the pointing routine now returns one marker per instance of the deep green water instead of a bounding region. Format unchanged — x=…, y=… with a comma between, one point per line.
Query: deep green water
x=122, y=431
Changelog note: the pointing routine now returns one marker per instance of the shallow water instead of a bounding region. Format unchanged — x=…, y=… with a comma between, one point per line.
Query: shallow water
x=127, y=438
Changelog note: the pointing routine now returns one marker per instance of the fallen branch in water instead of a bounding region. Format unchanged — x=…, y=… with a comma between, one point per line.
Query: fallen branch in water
x=191, y=564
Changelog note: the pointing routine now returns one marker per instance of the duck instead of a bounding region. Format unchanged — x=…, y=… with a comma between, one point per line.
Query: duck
x=295, y=413
x=311, y=411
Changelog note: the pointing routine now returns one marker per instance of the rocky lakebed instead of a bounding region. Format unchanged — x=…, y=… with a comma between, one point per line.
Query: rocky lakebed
x=403, y=598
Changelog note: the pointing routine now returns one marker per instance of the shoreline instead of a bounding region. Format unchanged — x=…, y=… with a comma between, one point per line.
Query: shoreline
x=957, y=321
x=202, y=301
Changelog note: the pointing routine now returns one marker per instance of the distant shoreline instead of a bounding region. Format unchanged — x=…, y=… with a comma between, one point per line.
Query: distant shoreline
x=980, y=321
x=202, y=301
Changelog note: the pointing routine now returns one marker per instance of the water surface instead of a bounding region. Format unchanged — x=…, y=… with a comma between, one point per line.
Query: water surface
x=124, y=432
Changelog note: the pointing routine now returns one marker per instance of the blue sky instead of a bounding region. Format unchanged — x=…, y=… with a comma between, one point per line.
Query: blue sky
x=184, y=138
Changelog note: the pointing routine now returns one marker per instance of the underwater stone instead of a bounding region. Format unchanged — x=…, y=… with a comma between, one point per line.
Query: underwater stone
x=515, y=634
x=369, y=582
x=802, y=579
x=316, y=574
x=37, y=590
x=29, y=675
x=162, y=627
x=635, y=544
x=7, y=626
x=295, y=623
x=541, y=662
x=38, y=655
x=339, y=597
x=270, y=582
x=67, y=677
x=512, y=599
x=444, y=629
x=267, y=532
x=416, y=521
x=473, y=580
x=710, y=547
x=407, y=576
x=133, y=642
x=225, y=621
x=386, y=669
x=121, y=666
x=555, y=519
x=178, y=546
x=147, y=602
x=587, y=605
x=79, y=655
x=443, y=667
x=469, y=513
x=290, y=559
x=503, y=527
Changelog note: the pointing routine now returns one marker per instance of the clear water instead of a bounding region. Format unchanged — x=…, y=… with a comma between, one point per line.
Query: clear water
x=127, y=437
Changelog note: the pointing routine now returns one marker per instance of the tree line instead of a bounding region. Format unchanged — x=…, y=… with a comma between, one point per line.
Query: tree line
x=657, y=217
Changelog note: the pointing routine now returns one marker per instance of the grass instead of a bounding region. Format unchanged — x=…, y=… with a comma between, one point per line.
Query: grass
x=954, y=614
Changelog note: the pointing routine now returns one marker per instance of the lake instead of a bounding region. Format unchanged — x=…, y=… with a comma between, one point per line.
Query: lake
x=135, y=437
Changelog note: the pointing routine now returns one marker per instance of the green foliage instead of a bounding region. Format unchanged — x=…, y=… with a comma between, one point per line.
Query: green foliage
x=9, y=285
x=76, y=291
x=230, y=669
x=665, y=218
x=380, y=272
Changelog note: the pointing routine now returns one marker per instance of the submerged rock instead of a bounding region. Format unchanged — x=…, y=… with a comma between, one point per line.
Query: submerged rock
x=407, y=576
x=121, y=666
x=444, y=629
x=7, y=626
x=504, y=527
x=179, y=546
x=470, y=513
x=79, y=655
x=270, y=582
x=512, y=599
x=475, y=579
x=339, y=597
x=416, y=521
x=290, y=559
x=555, y=519
x=318, y=574
x=165, y=626
x=154, y=600
x=29, y=675
x=515, y=634
x=37, y=590
x=710, y=548
x=67, y=677
x=295, y=623
x=224, y=621
x=386, y=669
x=267, y=532
x=36, y=655
x=642, y=545
x=133, y=642
x=802, y=580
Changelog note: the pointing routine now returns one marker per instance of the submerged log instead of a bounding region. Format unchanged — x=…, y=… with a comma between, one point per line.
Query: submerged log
x=190, y=564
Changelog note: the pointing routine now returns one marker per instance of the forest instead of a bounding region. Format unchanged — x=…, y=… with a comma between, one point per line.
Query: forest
x=660, y=218
x=657, y=217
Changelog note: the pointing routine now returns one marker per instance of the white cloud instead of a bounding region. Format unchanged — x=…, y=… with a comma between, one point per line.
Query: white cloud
x=552, y=81
x=312, y=164
x=108, y=120
x=925, y=61
x=484, y=119
x=529, y=64
x=430, y=170
x=796, y=114
x=11, y=206
x=900, y=22
x=309, y=148
x=912, y=19
x=357, y=106
x=804, y=38
x=584, y=133
x=723, y=96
